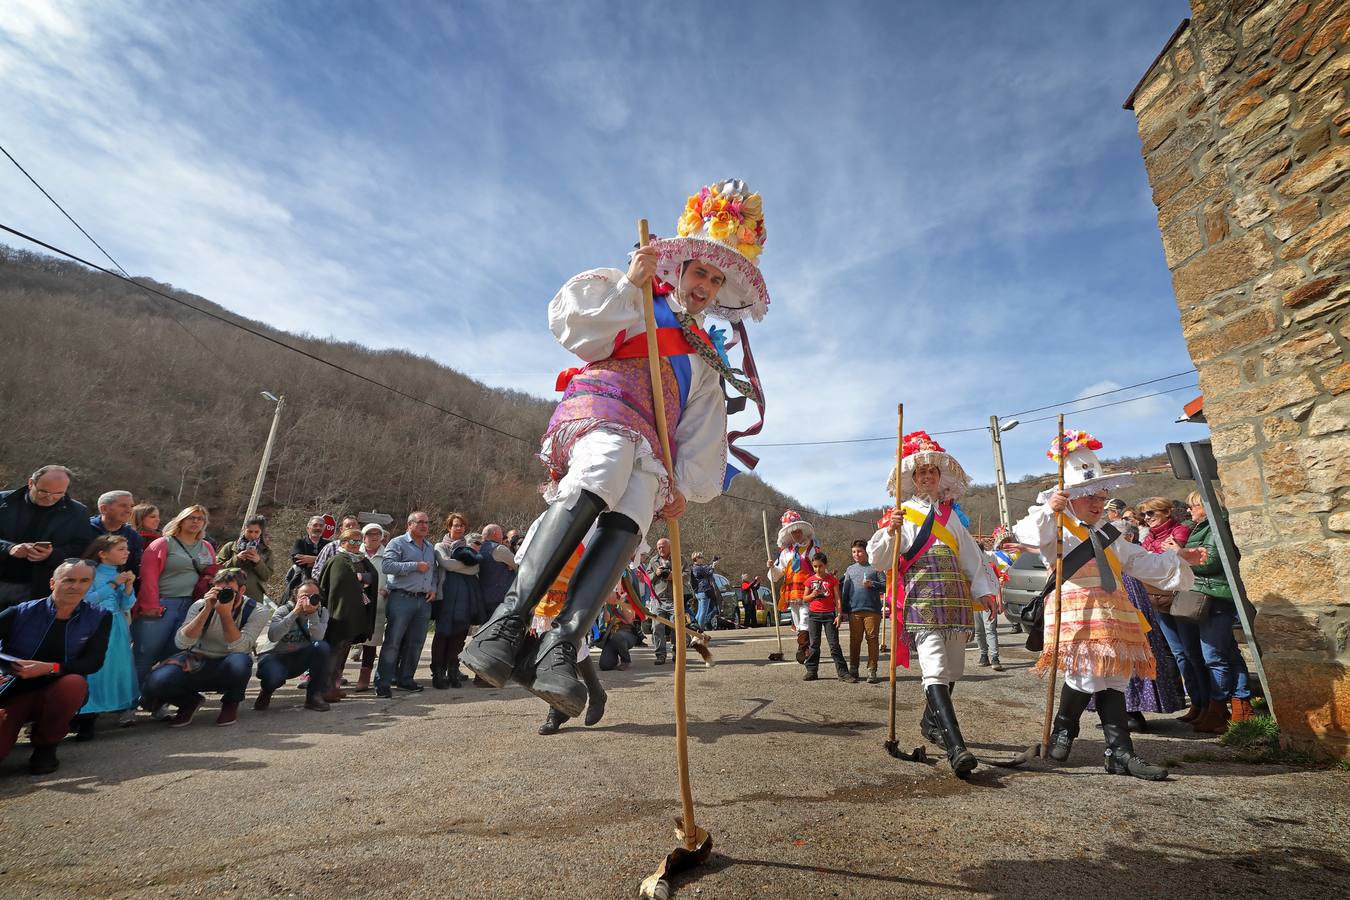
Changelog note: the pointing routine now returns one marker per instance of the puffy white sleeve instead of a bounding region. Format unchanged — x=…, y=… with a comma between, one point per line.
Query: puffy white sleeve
x=1037, y=528
x=701, y=439
x=974, y=563
x=879, y=549
x=1165, y=571
x=592, y=309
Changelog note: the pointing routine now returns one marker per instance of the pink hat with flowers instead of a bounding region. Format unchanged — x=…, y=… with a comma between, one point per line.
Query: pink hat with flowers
x=723, y=224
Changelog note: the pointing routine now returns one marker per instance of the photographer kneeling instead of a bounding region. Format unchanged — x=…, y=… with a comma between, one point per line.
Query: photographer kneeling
x=215, y=652
x=296, y=632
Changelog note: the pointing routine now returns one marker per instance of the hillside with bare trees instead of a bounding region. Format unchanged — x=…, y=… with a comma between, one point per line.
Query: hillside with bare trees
x=132, y=391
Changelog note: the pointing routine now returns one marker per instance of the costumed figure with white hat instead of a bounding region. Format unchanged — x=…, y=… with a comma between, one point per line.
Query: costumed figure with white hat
x=1103, y=637
x=601, y=446
x=796, y=545
x=944, y=572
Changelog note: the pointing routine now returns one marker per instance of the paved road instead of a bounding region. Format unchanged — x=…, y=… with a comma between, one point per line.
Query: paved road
x=451, y=793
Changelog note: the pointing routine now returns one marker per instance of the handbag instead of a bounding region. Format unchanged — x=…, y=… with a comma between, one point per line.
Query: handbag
x=188, y=660
x=204, y=575
x=1192, y=606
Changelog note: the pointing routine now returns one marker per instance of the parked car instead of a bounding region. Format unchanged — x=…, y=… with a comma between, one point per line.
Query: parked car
x=1026, y=578
x=729, y=606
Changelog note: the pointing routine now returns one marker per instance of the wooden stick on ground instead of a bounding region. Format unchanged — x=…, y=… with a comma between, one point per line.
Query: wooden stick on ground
x=773, y=594
x=688, y=832
x=1053, y=680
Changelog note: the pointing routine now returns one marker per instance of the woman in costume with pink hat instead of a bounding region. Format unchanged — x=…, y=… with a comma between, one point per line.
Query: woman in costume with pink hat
x=944, y=573
x=1102, y=637
x=601, y=446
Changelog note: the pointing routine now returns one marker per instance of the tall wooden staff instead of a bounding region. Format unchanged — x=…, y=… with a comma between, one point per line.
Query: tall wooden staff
x=1059, y=605
x=893, y=745
x=773, y=594
x=695, y=843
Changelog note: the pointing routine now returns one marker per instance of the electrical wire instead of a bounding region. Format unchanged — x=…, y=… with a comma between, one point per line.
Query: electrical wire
x=376, y=383
x=266, y=337
x=108, y=255
x=1102, y=394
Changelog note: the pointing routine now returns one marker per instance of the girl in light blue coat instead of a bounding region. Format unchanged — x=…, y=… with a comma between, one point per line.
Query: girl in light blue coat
x=112, y=688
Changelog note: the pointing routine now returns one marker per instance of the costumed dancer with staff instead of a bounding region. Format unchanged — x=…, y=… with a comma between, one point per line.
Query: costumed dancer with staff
x=602, y=446
x=1102, y=638
x=943, y=571
x=792, y=566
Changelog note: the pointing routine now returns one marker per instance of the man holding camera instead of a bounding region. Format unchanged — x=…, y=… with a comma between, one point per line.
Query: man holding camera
x=296, y=634
x=215, y=652
x=659, y=569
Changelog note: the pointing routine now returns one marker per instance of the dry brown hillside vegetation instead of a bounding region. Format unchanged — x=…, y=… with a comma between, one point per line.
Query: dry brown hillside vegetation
x=133, y=392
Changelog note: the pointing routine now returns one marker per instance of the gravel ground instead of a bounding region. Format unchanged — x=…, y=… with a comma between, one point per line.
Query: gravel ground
x=452, y=793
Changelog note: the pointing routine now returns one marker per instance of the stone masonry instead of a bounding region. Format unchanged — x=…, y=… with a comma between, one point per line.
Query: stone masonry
x=1245, y=127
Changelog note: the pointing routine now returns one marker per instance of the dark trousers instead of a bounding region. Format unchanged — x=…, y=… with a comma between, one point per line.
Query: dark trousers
x=49, y=708
x=814, y=623
x=228, y=675
x=275, y=667
x=748, y=603
x=616, y=649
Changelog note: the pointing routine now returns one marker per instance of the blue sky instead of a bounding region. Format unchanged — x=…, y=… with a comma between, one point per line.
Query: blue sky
x=957, y=211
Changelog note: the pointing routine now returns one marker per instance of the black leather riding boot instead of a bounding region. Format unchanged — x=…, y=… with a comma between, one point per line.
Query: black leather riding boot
x=556, y=679
x=1071, y=706
x=959, y=758
x=1120, y=755
x=595, y=691
x=496, y=648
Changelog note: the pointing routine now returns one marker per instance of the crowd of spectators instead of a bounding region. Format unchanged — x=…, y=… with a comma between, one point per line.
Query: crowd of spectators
x=110, y=614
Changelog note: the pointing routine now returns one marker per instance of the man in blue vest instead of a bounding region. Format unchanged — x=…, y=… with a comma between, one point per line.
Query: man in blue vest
x=47, y=648
x=496, y=568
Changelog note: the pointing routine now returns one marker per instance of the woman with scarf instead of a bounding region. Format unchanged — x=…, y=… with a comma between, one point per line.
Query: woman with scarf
x=461, y=603
x=348, y=586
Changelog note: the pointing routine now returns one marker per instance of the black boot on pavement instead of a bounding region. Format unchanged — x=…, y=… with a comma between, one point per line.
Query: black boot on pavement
x=556, y=680
x=43, y=761
x=1120, y=755
x=595, y=692
x=962, y=761
x=493, y=653
x=1071, y=706
x=553, y=722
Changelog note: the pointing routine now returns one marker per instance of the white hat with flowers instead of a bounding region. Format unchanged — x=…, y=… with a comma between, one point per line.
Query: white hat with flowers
x=792, y=521
x=723, y=224
x=1083, y=474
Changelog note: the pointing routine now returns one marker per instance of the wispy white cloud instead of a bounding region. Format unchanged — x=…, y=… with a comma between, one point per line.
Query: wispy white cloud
x=955, y=202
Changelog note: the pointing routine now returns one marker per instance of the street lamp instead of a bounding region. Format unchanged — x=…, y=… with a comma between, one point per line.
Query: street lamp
x=280, y=401
x=1000, y=479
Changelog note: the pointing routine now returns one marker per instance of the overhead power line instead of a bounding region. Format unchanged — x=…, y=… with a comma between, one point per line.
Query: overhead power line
x=1102, y=394
x=266, y=337
x=106, y=254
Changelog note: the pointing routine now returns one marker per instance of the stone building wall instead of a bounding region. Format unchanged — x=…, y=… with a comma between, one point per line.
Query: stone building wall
x=1245, y=127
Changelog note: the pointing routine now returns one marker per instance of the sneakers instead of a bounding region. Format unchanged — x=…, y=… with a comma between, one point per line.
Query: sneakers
x=160, y=712
x=384, y=693
x=984, y=661
x=229, y=713
x=848, y=677
x=263, y=702
x=411, y=687
x=1125, y=762
x=998, y=665
x=873, y=677
x=43, y=761
x=185, y=713
x=810, y=676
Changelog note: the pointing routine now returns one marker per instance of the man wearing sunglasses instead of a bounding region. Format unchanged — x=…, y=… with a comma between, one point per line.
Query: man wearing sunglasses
x=47, y=648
